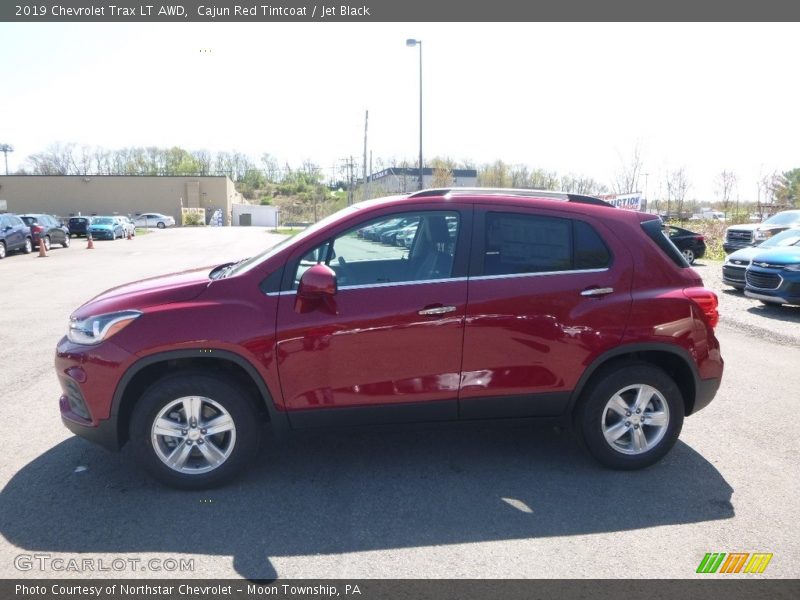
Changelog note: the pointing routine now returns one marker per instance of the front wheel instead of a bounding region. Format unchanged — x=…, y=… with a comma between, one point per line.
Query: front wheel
x=46, y=242
x=193, y=431
x=631, y=416
x=65, y=243
x=161, y=225
x=28, y=247
x=2, y=250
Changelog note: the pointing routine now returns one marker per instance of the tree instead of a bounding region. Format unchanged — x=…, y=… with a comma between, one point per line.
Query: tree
x=582, y=185
x=494, y=175
x=442, y=172
x=725, y=184
x=787, y=188
x=677, y=186
x=626, y=179
x=272, y=170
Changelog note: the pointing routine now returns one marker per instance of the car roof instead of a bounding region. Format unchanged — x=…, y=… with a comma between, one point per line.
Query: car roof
x=544, y=199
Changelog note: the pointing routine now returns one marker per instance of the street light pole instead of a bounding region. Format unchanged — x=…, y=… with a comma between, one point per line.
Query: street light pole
x=411, y=43
x=5, y=149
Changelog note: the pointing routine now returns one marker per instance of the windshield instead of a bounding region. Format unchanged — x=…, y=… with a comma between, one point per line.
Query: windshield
x=790, y=237
x=784, y=218
x=103, y=221
x=256, y=260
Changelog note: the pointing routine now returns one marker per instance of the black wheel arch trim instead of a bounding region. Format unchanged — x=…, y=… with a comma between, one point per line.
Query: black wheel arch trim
x=278, y=419
x=621, y=351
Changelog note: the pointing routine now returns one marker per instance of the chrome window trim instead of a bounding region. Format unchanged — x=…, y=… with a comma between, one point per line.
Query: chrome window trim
x=454, y=279
x=540, y=274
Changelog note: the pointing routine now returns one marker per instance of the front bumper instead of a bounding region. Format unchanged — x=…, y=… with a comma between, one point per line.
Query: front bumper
x=737, y=245
x=103, y=434
x=776, y=297
x=102, y=235
x=89, y=376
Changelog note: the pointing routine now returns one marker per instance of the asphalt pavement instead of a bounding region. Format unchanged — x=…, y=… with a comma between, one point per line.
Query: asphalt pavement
x=484, y=501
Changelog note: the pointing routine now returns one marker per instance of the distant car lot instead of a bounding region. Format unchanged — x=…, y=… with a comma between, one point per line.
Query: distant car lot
x=422, y=502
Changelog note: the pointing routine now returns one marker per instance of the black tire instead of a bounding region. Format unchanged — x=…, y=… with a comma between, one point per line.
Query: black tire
x=594, y=413
x=161, y=225
x=225, y=394
x=47, y=244
x=2, y=250
x=28, y=247
x=66, y=241
x=113, y=236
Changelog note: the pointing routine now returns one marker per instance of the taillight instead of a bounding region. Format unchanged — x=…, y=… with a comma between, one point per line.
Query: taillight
x=700, y=238
x=706, y=300
x=37, y=229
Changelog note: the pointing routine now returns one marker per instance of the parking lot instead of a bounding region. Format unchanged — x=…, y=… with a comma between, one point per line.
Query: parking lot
x=476, y=501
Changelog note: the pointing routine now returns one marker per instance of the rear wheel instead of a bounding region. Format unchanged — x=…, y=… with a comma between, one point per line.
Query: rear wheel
x=66, y=241
x=2, y=250
x=193, y=431
x=631, y=416
x=688, y=254
x=46, y=242
x=28, y=247
x=161, y=225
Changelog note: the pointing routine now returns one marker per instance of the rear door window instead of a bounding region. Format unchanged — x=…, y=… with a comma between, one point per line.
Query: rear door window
x=518, y=243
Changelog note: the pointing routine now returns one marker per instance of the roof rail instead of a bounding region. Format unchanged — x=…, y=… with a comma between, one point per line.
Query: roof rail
x=555, y=195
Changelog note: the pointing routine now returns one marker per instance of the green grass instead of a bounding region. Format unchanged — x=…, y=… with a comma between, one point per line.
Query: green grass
x=286, y=231
x=142, y=231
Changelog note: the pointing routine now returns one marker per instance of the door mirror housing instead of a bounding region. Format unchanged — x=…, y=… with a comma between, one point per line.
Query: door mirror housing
x=317, y=289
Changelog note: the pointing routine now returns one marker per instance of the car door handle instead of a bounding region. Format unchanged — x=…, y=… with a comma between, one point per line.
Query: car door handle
x=437, y=310
x=597, y=291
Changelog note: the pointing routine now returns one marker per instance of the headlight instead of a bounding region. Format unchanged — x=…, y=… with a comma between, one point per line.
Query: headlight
x=763, y=235
x=93, y=330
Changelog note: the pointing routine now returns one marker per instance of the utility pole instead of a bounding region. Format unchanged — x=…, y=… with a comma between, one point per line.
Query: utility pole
x=366, y=184
x=352, y=182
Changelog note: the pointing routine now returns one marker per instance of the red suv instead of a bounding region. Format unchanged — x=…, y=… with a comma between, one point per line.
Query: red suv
x=508, y=304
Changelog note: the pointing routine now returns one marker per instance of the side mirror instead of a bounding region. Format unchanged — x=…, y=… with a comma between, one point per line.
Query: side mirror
x=317, y=289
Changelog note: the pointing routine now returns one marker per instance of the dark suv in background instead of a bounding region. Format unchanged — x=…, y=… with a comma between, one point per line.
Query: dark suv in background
x=47, y=228
x=78, y=226
x=14, y=235
x=508, y=304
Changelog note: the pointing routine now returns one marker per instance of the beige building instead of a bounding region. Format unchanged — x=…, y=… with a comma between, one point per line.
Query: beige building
x=66, y=195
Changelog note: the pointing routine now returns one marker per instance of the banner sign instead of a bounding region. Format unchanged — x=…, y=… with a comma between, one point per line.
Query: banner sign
x=632, y=201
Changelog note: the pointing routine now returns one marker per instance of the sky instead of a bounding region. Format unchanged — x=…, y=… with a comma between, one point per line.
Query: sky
x=567, y=97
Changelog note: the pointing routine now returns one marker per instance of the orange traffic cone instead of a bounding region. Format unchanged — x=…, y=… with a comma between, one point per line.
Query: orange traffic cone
x=42, y=249
x=89, y=242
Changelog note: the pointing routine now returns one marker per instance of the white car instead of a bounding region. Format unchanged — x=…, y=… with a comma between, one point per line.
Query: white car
x=153, y=220
x=127, y=226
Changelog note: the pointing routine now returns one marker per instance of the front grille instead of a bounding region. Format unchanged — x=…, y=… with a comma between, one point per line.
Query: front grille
x=740, y=236
x=733, y=273
x=763, y=281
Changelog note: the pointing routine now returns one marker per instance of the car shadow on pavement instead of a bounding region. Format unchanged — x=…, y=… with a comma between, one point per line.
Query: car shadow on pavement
x=785, y=313
x=340, y=492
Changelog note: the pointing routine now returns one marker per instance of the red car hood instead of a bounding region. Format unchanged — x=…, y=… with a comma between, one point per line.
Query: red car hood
x=166, y=289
